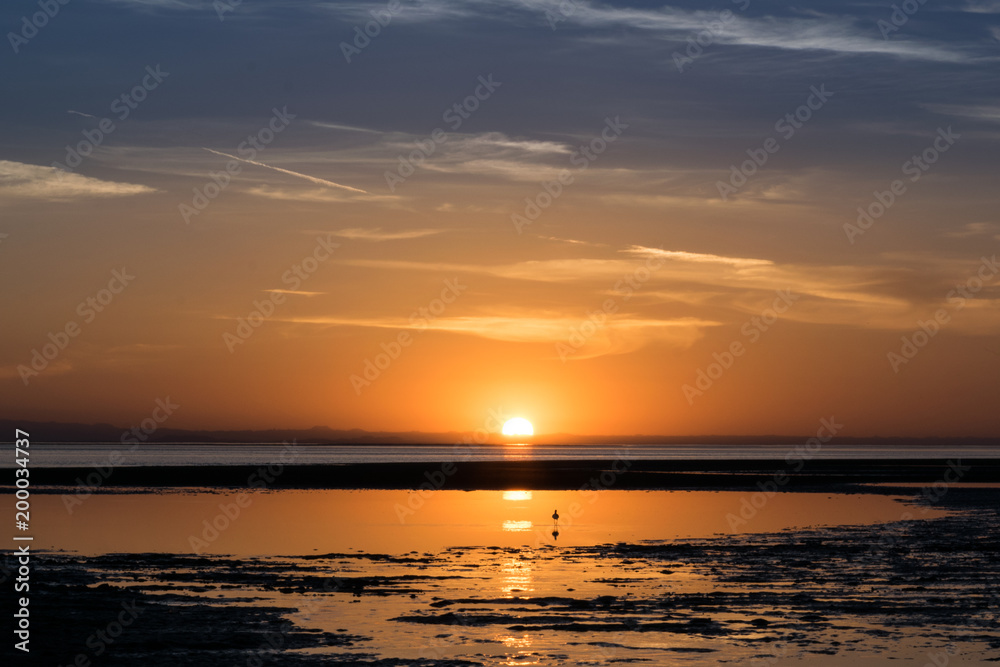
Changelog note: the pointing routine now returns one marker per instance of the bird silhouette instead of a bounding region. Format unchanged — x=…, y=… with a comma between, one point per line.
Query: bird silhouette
x=555, y=515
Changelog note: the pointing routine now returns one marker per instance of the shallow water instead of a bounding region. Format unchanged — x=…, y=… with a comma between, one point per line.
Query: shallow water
x=295, y=522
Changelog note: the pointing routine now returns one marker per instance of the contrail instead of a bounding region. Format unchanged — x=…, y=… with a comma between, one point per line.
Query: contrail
x=320, y=181
x=337, y=126
x=80, y=113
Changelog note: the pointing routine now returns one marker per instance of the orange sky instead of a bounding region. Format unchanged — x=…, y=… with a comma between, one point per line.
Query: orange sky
x=517, y=301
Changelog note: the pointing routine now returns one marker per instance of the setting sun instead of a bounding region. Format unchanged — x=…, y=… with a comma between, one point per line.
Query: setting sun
x=518, y=426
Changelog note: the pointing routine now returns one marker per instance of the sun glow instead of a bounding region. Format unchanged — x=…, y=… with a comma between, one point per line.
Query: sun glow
x=518, y=426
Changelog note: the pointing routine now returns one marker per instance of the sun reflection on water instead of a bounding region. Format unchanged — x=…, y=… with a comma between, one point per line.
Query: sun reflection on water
x=511, y=526
x=517, y=578
x=521, y=644
x=517, y=451
x=524, y=641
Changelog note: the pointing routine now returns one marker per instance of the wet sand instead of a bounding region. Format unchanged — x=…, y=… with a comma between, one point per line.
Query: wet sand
x=921, y=584
x=887, y=593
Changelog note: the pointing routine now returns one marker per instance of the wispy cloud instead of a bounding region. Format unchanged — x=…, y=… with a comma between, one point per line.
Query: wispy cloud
x=415, y=11
x=982, y=7
x=319, y=195
x=975, y=229
x=619, y=335
x=556, y=239
x=683, y=256
x=878, y=297
x=32, y=181
x=989, y=113
x=378, y=234
x=295, y=292
x=176, y=5
x=812, y=31
x=56, y=367
x=495, y=154
x=816, y=32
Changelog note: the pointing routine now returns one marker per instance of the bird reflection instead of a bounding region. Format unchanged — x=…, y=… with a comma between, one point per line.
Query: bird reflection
x=555, y=524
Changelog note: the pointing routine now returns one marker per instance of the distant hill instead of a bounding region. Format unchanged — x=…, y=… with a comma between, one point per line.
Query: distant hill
x=62, y=432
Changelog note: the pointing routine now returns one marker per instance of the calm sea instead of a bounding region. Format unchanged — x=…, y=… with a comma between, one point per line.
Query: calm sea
x=80, y=454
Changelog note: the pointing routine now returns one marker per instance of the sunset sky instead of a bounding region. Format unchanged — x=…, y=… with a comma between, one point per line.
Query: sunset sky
x=631, y=113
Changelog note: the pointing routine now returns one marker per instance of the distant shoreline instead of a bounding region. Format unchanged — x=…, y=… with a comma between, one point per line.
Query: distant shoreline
x=928, y=443
x=66, y=433
x=545, y=475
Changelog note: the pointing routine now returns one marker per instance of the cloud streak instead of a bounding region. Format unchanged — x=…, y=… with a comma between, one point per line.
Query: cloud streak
x=311, y=179
x=618, y=335
x=377, y=234
x=31, y=181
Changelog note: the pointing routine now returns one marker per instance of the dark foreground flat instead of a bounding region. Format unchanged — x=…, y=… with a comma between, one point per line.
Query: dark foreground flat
x=541, y=475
